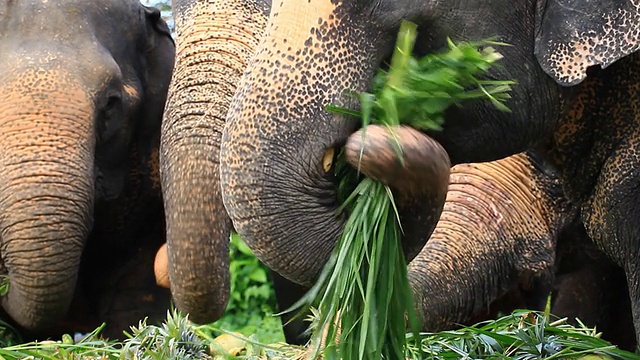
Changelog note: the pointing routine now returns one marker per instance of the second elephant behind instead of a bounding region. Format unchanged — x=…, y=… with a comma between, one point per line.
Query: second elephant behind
x=82, y=92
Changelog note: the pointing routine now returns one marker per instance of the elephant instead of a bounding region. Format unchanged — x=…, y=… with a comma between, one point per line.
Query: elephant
x=197, y=224
x=573, y=105
x=83, y=86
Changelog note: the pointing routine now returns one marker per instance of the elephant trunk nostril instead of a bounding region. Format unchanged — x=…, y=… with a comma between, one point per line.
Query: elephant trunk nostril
x=407, y=160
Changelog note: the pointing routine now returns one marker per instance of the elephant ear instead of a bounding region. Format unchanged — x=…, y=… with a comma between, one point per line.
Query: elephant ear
x=158, y=52
x=158, y=55
x=576, y=34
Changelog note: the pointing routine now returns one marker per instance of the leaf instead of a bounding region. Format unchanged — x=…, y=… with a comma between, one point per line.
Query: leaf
x=258, y=275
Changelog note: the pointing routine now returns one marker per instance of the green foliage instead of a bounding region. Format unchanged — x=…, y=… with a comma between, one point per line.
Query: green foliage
x=522, y=335
x=417, y=91
x=4, y=285
x=252, y=302
x=174, y=339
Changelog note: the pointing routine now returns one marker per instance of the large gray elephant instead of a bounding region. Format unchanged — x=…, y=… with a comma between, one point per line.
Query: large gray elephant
x=215, y=41
x=281, y=199
x=82, y=90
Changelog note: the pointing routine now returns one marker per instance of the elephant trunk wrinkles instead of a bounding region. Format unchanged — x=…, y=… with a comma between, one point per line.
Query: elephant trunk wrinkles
x=46, y=196
x=208, y=67
x=497, y=228
x=280, y=198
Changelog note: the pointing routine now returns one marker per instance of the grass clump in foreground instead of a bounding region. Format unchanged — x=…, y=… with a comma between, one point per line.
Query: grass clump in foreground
x=363, y=298
x=521, y=335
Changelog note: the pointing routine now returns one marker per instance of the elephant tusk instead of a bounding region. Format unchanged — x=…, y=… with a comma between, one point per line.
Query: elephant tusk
x=161, y=267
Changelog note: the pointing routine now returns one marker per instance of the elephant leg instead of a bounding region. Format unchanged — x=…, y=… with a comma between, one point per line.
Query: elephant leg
x=612, y=213
x=497, y=232
x=126, y=291
x=597, y=295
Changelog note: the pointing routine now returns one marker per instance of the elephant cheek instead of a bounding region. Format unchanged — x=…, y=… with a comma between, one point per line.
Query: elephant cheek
x=46, y=195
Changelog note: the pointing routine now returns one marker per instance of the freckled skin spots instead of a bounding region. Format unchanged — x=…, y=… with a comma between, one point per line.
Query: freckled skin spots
x=80, y=217
x=599, y=36
x=247, y=146
x=131, y=91
x=596, y=147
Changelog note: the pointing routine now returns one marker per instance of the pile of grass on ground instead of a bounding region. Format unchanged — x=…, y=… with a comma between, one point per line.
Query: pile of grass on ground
x=521, y=335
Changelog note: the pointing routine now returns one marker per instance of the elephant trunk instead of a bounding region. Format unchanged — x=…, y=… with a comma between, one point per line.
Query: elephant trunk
x=497, y=230
x=46, y=194
x=208, y=67
x=279, y=143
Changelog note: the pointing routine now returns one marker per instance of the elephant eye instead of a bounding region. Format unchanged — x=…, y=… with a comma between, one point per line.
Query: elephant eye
x=108, y=119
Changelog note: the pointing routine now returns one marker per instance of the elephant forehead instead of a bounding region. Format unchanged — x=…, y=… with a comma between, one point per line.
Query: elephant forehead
x=311, y=53
x=290, y=20
x=90, y=67
x=40, y=83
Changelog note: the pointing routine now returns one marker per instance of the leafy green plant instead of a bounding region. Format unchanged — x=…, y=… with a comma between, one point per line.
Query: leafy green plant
x=174, y=339
x=522, y=335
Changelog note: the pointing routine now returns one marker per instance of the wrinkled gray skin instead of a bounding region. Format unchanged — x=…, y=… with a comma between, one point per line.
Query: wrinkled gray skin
x=511, y=248
x=82, y=91
x=282, y=201
x=214, y=41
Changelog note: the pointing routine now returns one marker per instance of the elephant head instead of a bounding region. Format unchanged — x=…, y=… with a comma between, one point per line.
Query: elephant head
x=80, y=83
x=279, y=197
x=214, y=41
